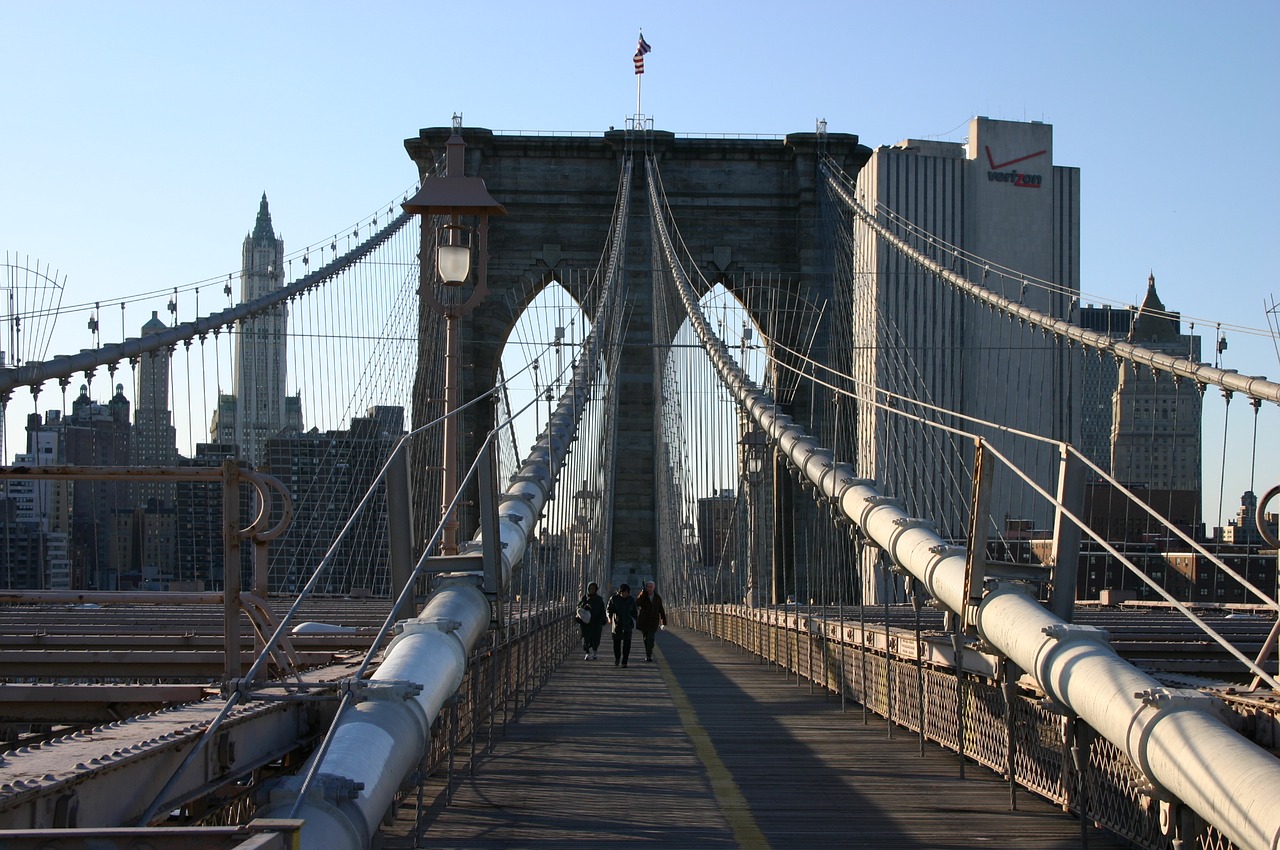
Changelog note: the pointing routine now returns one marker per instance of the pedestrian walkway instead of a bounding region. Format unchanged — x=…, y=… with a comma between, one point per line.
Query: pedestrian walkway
x=706, y=747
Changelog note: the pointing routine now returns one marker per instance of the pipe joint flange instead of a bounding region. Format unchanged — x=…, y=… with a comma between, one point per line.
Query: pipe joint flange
x=386, y=690
x=847, y=484
x=447, y=625
x=828, y=469
x=441, y=625
x=336, y=789
x=985, y=647
x=901, y=526
x=1176, y=699
x=1148, y=788
x=907, y=523
x=870, y=503
x=991, y=585
x=841, y=481
x=1055, y=707
x=1068, y=632
x=941, y=552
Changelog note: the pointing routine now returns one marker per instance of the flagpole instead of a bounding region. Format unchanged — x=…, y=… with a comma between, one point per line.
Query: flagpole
x=642, y=47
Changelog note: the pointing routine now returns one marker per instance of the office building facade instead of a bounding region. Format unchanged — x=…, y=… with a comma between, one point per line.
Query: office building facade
x=999, y=197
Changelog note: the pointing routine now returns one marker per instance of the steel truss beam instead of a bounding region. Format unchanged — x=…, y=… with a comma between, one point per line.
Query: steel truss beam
x=109, y=775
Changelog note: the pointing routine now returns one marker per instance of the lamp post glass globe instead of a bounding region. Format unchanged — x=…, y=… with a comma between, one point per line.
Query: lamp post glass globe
x=754, y=447
x=453, y=262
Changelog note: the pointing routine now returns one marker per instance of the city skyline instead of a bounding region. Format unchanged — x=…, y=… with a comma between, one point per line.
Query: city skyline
x=1165, y=88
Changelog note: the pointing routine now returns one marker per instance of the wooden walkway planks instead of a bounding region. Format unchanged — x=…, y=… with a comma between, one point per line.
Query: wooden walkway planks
x=606, y=755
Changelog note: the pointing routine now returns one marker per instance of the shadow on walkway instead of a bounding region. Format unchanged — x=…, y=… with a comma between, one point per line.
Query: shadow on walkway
x=708, y=748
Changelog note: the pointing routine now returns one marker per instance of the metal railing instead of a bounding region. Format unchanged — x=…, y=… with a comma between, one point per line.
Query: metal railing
x=1035, y=745
x=502, y=678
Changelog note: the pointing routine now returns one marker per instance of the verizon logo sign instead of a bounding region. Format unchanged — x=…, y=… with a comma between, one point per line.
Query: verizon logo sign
x=1017, y=178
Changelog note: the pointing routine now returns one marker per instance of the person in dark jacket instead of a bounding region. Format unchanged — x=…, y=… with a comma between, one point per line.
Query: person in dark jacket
x=622, y=611
x=591, y=629
x=652, y=617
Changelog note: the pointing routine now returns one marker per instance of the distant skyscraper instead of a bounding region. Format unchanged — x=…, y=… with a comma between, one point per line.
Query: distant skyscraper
x=46, y=504
x=200, y=554
x=327, y=474
x=96, y=435
x=51, y=503
x=716, y=528
x=1143, y=429
x=1157, y=450
x=1155, y=428
x=154, y=437
x=261, y=406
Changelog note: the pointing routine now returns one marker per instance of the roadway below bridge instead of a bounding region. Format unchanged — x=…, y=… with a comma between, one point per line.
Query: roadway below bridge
x=710, y=747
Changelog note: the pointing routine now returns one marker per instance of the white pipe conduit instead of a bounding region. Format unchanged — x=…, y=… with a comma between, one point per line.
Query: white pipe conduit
x=380, y=742
x=1178, y=739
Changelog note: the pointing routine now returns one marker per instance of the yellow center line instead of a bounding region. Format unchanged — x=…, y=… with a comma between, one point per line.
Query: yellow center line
x=736, y=810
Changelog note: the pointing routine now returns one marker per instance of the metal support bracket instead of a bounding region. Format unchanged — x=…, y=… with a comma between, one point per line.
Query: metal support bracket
x=337, y=789
x=442, y=624
x=1170, y=699
x=389, y=690
x=463, y=562
x=529, y=479
x=1066, y=632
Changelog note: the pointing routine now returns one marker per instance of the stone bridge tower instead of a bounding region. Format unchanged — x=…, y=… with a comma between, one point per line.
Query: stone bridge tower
x=747, y=208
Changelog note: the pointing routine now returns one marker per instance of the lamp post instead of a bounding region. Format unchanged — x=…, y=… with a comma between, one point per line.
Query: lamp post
x=584, y=511
x=455, y=212
x=754, y=447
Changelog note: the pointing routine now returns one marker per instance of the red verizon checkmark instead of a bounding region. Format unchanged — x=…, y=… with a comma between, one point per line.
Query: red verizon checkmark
x=998, y=165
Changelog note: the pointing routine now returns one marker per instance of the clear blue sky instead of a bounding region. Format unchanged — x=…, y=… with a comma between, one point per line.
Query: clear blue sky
x=137, y=138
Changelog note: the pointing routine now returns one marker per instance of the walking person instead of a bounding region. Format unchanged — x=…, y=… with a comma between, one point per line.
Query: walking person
x=622, y=610
x=593, y=625
x=652, y=617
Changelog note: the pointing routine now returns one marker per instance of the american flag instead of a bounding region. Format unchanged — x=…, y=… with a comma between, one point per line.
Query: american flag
x=641, y=49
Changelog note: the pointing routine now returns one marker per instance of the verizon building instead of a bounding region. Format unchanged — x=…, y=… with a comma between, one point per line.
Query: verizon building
x=1001, y=198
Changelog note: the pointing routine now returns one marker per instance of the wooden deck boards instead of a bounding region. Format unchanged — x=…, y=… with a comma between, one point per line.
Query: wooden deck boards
x=607, y=756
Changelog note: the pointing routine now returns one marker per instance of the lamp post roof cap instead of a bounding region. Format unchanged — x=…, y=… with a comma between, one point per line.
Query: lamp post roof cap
x=449, y=195
x=453, y=193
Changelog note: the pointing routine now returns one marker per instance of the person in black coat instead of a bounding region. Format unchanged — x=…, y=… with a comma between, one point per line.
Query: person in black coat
x=622, y=611
x=652, y=617
x=591, y=629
